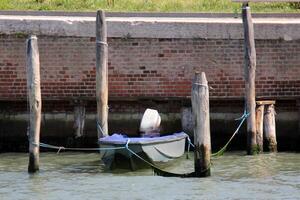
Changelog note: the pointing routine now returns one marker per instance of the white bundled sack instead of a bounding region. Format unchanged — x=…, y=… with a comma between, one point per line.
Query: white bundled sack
x=150, y=123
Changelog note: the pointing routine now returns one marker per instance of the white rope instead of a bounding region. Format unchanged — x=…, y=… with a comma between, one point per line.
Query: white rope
x=99, y=127
x=35, y=144
x=204, y=85
x=101, y=42
x=32, y=37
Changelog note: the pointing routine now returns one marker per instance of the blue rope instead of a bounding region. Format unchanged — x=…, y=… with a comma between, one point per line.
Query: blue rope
x=190, y=142
x=242, y=118
x=189, y=146
x=99, y=127
x=59, y=148
x=221, y=151
x=126, y=146
x=245, y=115
x=156, y=170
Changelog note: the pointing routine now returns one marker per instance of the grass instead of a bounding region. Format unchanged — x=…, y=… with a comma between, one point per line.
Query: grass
x=145, y=5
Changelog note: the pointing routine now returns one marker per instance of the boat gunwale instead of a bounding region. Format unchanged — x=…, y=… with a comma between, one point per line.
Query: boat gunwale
x=145, y=142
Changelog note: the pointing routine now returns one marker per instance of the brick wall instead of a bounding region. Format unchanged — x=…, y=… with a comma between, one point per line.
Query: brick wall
x=149, y=67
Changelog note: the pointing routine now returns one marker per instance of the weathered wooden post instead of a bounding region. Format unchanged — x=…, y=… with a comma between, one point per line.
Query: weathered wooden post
x=270, y=128
x=35, y=101
x=298, y=105
x=79, y=119
x=259, y=126
x=249, y=70
x=200, y=107
x=250, y=65
x=101, y=75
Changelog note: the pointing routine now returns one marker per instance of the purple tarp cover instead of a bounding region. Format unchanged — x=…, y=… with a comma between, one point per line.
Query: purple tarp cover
x=122, y=139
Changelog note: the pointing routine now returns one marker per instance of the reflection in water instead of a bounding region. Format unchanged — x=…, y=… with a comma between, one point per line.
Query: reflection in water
x=82, y=176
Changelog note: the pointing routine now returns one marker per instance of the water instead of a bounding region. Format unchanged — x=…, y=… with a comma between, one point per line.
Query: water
x=72, y=176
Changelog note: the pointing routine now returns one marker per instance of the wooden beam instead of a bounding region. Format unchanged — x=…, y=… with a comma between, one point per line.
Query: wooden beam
x=270, y=128
x=249, y=72
x=258, y=1
x=200, y=108
x=101, y=75
x=260, y=127
x=265, y=102
x=35, y=101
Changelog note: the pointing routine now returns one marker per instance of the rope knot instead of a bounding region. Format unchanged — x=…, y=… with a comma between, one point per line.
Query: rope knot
x=127, y=143
x=60, y=148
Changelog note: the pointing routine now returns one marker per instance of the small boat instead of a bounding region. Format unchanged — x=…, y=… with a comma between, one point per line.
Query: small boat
x=140, y=151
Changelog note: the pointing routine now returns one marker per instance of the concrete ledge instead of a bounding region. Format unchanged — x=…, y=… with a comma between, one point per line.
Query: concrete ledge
x=147, y=14
x=151, y=27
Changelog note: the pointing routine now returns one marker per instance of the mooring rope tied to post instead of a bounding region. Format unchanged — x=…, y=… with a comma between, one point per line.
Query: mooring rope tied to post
x=204, y=85
x=131, y=151
x=100, y=127
x=44, y=145
x=200, y=84
x=157, y=170
x=189, y=146
x=242, y=118
x=222, y=150
x=101, y=42
x=59, y=148
x=32, y=37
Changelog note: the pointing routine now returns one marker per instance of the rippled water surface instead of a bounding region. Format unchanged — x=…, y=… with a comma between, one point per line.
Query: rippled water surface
x=72, y=176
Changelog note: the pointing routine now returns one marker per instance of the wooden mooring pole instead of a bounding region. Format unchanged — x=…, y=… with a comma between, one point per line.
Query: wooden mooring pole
x=79, y=118
x=270, y=128
x=101, y=75
x=200, y=107
x=35, y=101
x=249, y=68
x=298, y=105
x=260, y=127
